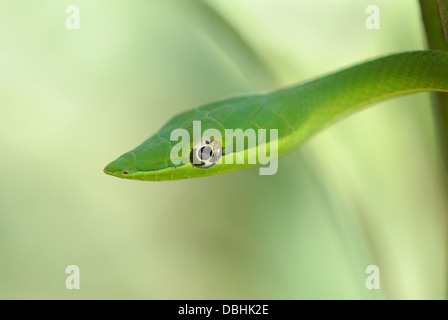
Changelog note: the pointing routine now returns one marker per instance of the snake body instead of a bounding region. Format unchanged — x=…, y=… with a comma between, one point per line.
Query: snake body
x=296, y=112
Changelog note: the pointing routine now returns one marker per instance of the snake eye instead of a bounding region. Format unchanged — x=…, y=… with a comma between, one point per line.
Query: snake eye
x=206, y=153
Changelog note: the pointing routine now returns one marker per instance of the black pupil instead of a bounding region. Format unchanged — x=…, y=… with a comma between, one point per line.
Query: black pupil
x=205, y=153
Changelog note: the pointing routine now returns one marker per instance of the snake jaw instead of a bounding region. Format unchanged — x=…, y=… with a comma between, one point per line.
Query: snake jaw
x=123, y=167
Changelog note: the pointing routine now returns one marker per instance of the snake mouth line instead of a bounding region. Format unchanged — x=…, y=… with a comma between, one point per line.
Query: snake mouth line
x=115, y=174
x=128, y=175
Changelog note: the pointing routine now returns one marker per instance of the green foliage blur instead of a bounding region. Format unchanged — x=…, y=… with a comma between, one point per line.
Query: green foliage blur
x=366, y=191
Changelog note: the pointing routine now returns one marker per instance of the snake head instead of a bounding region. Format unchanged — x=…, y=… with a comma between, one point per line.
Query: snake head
x=200, y=157
x=151, y=161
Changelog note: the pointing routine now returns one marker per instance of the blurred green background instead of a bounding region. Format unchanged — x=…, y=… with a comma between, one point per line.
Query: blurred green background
x=365, y=191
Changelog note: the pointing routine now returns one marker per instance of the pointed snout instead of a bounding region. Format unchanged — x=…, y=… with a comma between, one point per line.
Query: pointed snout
x=122, y=167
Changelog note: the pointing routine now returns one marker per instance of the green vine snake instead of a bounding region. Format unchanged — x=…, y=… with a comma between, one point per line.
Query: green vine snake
x=296, y=112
